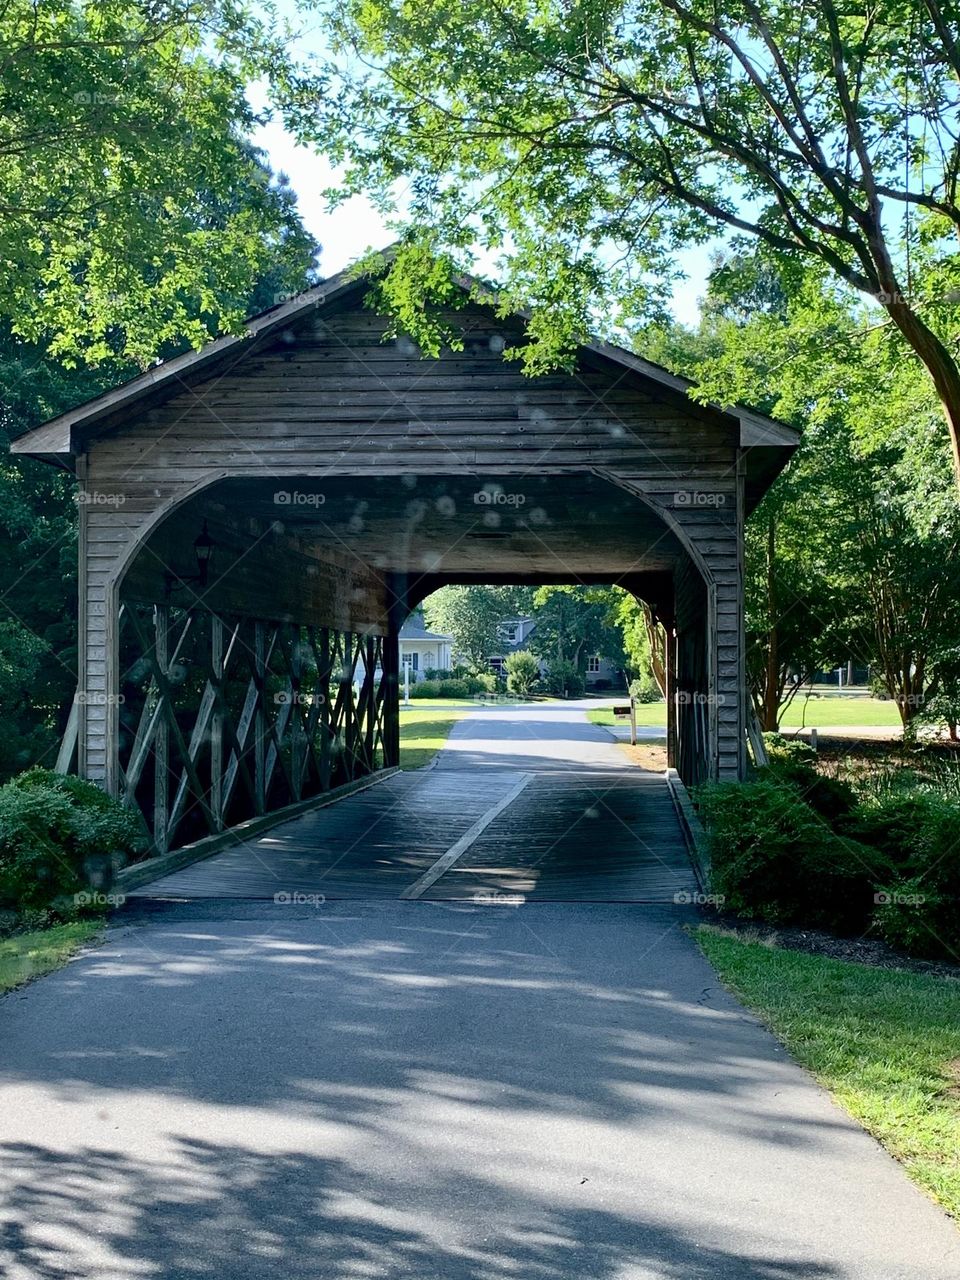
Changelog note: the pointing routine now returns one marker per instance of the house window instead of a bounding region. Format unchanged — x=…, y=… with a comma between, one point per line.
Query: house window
x=593, y=666
x=414, y=662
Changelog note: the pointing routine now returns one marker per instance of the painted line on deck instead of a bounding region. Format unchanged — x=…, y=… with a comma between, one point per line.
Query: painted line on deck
x=456, y=851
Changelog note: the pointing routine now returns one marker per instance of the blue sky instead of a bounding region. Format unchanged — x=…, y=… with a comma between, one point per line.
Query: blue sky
x=347, y=231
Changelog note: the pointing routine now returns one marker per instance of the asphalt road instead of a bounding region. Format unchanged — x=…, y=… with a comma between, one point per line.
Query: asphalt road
x=440, y=1091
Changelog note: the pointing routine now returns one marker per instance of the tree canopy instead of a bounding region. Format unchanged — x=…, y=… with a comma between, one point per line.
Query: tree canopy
x=853, y=552
x=584, y=144
x=134, y=213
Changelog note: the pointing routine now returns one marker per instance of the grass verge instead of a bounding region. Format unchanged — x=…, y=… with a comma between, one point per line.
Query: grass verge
x=814, y=713
x=29, y=955
x=424, y=729
x=885, y=1042
x=648, y=714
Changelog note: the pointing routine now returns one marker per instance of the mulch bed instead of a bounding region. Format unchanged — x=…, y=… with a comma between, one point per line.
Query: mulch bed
x=816, y=942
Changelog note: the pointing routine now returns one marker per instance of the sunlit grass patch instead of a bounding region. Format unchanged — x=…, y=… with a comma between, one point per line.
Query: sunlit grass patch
x=885, y=1042
x=28, y=955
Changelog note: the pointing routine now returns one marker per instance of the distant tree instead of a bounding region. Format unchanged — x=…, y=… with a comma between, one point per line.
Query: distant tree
x=564, y=678
x=471, y=615
x=573, y=624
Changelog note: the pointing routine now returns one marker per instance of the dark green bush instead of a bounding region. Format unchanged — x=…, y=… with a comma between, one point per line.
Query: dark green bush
x=794, y=763
x=564, y=679
x=920, y=907
x=775, y=859
x=899, y=823
x=467, y=686
x=58, y=835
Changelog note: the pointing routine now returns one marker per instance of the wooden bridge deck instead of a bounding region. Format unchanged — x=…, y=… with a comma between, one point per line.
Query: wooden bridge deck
x=570, y=835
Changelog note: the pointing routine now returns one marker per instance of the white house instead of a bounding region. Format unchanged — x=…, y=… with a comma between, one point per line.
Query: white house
x=423, y=650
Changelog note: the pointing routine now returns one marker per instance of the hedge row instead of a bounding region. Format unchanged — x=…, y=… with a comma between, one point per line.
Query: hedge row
x=791, y=847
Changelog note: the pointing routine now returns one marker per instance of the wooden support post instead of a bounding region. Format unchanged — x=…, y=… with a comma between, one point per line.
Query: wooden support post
x=391, y=699
x=161, y=737
x=349, y=708
x=216, y=727
x=259, y=721
x=323, y=688
x=297, y=745
x=370, y=699
x=670, y=692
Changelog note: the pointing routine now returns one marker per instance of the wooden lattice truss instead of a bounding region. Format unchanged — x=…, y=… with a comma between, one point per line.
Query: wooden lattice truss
x=224, y=718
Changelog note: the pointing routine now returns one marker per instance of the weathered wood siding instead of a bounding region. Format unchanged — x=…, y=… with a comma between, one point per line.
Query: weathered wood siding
x=331, y=397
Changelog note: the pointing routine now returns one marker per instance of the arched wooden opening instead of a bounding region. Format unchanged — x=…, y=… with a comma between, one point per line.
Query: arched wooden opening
x=340, y=478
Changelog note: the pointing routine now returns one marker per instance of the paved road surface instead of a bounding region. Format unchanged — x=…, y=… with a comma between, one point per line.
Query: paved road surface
x=434, y=1090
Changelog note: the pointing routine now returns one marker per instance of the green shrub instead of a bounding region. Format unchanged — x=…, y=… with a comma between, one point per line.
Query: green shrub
x=775, y=859
x=645, y=689
x=920, y=907
x=564, y=680
x=900, y=824
x=523, y=671
x=467, y=686
x=58, y=835
x=451, y=688
x=794, y=763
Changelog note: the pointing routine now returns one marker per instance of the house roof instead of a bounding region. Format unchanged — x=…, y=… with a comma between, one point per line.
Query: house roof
x=513, y=646
x=413, y=629
x=66, y=434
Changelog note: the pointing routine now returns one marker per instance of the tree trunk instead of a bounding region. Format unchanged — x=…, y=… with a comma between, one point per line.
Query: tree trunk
x=770, y=708
x=657, y=637
x=940, y=364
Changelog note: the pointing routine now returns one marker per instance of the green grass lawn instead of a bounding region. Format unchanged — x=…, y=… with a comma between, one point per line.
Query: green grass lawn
x=424, y=727
x=814, y=713
x=818, y=712
x=28, y=955
x=886, y=1043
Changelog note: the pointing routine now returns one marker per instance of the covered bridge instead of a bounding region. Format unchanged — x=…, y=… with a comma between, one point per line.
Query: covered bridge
x=258, y=518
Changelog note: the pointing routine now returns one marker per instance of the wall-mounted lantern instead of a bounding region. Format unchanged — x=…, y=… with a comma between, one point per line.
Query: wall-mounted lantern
x=203, y=548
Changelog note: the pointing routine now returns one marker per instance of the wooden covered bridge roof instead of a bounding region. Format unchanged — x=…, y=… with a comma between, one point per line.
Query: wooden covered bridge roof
x=769, y=442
